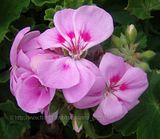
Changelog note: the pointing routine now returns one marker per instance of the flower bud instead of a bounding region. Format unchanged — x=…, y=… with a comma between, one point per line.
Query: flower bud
x=77, y=125
x=147, y=55
x=123, y=39
x=115, y=51
x=116, y=41
x=131, y=33
x=143, y=65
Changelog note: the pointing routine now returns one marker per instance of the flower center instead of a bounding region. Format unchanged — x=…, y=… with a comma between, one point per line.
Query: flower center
x=113, y=85
x=75, y=46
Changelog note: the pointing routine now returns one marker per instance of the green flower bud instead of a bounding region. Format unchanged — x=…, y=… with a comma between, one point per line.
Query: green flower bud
x=115, y=51
x=131, y=33
x=123, y=39
x=116, y=41
x=143, y=65
x=147, y=55
x=77, y=124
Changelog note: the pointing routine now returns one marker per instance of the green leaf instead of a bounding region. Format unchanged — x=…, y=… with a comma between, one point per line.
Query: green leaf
x=123, y=17
x=4, y=76
x=89, y=129
x=87, y=124
x=142, y=8
x=2, y=64
x=141, y=40
x=22, y=22
x=76, y=3
x=42, y=2
x=145, y=118
x=69, y=133
x=9, y=108
x=11, y=130
x=9, y=11
x=49, y=13
x=14, y=123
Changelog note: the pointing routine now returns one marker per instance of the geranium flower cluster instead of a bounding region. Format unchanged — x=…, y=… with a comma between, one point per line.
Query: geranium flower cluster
x=55, y=59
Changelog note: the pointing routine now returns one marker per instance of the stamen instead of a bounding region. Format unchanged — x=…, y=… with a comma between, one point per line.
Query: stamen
x=112, y=85
x=75, y=46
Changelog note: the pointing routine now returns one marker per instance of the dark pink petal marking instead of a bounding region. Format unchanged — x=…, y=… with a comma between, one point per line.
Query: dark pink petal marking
x=115, y=79
x=56, y=57
x=71, y=35
x=86, y=36
x=65, y=66
x=60, y=38
x=123, y=87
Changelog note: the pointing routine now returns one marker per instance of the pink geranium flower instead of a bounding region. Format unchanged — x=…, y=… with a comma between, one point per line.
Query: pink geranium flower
x=124, y=85
x=75, y=31
x=31, y=95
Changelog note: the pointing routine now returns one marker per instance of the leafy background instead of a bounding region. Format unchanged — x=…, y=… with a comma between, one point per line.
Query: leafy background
x=143, y=122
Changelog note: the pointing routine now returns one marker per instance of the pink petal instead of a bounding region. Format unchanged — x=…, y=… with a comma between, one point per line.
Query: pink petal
x=77, y=92
x=112, y=67
x=29, y=42
x=17, y=74
x=17, y=40
x=23, y=60
x=35, y=52
x=93, y=97
x=39, y=58
x=63, y=23
x=60, y=73
x=131, y=105
x=50, y=38
x=91, y=66
x=32, y=97
x=110, y=110
x=136, y=83
x=93, y=23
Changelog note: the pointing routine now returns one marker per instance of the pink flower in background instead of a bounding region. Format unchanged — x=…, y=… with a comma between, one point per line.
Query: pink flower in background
x=75, y=31
x=124, y=85
x=31, y=95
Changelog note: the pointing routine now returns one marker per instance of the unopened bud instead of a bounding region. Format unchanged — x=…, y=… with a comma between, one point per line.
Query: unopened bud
x=77, y=125
x=123, y=39
x=147, y=55
x=116, y=41
x=131, y=33
x=115, y=51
